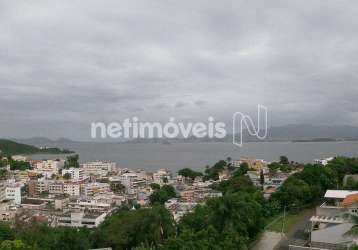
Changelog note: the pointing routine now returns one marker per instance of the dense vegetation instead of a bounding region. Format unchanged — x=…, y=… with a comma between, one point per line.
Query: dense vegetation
x=230, y=222
x=8, y=147
x=189, y=173
x=19, y=165
x=162, y=194
x=14, y=165
x=72, y=161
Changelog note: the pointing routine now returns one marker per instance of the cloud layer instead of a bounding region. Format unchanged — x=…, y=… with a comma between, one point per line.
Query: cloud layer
x=66, y=64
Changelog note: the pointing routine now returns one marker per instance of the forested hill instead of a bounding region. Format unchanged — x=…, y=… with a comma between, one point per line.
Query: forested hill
x=9, y=147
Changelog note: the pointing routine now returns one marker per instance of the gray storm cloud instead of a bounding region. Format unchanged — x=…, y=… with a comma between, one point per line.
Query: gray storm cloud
x=66, y=64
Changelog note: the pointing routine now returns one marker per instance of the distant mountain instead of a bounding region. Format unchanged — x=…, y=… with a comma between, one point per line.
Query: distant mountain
x=294, y=133
x=313, y=132
x=42, y=141
x=9, y=147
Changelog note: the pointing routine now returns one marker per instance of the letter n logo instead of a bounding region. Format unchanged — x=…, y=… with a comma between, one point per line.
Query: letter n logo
x=239, y=120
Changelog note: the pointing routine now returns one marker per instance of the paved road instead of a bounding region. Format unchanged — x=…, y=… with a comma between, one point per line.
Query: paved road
x=268, y=241
x=297, y=230
x=276, y=241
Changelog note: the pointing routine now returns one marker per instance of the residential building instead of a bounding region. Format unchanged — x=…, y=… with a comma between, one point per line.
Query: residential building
x=55, y=187
x=19, y=157
x=253, y=164
x=93, y=188
x=33, y=204
x=89, y=204
x=76, y=174
x=179, y=208
x=161, y=177
x=49, y=167
x=323, y=161
x=333, y=219
x=61, y=187
x=13, y=193
x=2, y=191
x=81, y=219
x=99, y=168
x=7, y=213
x=71, y=188
x=132, y=182
x=36, y=187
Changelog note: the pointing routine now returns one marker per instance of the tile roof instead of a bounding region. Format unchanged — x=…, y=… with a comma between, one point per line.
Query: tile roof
x=350, y=199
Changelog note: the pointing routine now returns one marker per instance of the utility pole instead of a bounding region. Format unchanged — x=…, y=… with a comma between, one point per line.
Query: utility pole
x=283, y=219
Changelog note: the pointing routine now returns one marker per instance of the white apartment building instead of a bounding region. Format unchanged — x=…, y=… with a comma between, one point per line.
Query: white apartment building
x=59, y=187
x=93, y=188
x=55, y=187
x=13, y=193
x=132, y=182
x=71, y=188
x=126, y=178
x=49, y=167
x=2, y=191
x=91, y=205
x=81, y=219
x=100, y=168
x=161, y=176
x=77, y=174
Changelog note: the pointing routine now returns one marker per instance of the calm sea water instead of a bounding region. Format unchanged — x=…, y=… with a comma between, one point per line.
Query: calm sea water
x=198, y=155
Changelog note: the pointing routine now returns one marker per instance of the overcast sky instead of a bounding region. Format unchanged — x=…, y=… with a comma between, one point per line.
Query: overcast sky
x=64, y=64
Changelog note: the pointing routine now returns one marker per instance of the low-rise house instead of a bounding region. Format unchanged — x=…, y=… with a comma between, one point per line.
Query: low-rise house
x=19, y=157
x=323, y=161
x=81, y=219
x=36, y=187
x=179, y=208
x=61, y=202
x=98, y=168
x=198, y=194
x=93, y=188
x=333, y=218
x=49, y=167
x=88, y=204
x=132, y=182
x=253, y=164
x=161, y=177
x=33, y=204
x=224, y=175
x=7, y=212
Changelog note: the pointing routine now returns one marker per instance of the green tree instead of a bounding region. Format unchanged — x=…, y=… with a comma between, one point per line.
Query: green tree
x=163, y=194
x=354, y=229
x=67, y=176
x=13, y=245
x=6, y=233
x=72, y=161
x=154, y=186
x=284, y=159
x=19, y=165
x=189, y=173
x=127, y=229
x=262, y=178
x=213, y=172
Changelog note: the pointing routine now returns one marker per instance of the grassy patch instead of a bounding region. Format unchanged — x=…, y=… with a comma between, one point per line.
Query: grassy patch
x=290, y=220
